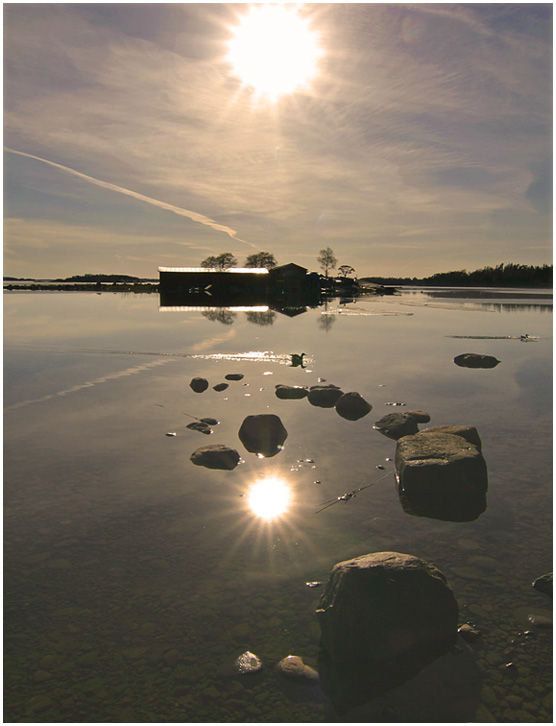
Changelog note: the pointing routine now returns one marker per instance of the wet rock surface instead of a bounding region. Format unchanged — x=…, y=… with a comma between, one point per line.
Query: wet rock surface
x=217, y=456
x=469, y=433
x=291, y=392
x=383, y=617
x=476, y=360
x=247, y=663
x=352, y=406
x=419, y=416
x=324, y=395
x=263, y=434
x=200, y=426
x=544, y=584
x=396, y=425
x=441, y=468
x=293, y=667
x=198, y=384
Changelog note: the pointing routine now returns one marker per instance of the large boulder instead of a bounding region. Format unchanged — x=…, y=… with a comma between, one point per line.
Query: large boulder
x=216, y=456
x=441, y=465
x=383, y=617
x=352, y=406
x=396, y=425
x=324, y=395
x=476, y=360
x=263, y=434
x=469, y=433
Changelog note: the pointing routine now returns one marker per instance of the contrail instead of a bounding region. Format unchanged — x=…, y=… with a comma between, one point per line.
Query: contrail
x=194, y=216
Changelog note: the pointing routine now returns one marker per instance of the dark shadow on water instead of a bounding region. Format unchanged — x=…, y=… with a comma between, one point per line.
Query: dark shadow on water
x=448, y=509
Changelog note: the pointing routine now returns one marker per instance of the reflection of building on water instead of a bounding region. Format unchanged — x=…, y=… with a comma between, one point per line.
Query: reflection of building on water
x=289, y=289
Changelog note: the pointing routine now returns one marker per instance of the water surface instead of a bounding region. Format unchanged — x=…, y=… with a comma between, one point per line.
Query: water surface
x=133, y=578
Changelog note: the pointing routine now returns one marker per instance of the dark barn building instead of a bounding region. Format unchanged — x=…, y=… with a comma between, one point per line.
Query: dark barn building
x=286, y=285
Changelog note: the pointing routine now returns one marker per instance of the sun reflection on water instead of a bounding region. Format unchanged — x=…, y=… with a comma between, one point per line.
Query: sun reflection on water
x=269, y=498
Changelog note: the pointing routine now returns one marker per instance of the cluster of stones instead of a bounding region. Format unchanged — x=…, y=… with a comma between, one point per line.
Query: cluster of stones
x=200, y=385
x=292, y=667
x=351, y=406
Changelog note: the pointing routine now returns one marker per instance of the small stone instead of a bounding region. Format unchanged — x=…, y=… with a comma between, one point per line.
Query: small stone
x=293, y=667
x=210, y=421
x=171, y=433
x=314, y=584
x=396, y=425
x=540, y=621
x=200, y=426
x=220, y=387
x=324, y=396
x=352, y=406
x=198, y=384
x=247, y=663
x=234, y=376
x=476, y=360
x=291, y=392
x=469, y=633
x=217, y=456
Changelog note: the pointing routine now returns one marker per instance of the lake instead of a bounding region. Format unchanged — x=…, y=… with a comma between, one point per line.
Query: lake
x=134, y=578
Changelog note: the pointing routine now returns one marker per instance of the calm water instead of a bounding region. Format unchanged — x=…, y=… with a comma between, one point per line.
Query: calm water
x=133, y=578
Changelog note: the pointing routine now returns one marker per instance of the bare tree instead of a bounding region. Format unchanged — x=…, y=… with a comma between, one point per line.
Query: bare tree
x=327, y=260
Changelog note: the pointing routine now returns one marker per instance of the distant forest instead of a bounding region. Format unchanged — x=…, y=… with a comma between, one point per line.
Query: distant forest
x=500, y=276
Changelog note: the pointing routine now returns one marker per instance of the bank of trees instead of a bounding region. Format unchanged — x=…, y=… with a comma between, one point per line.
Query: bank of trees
x=510, y=275
x=226, y=260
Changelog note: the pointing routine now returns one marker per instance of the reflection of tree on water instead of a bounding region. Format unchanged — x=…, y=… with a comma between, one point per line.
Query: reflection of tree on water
x=261, y=318
x=326, y=321
x=221, y=315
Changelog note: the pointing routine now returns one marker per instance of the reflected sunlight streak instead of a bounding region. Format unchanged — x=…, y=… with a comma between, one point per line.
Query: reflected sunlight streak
x=269, y=498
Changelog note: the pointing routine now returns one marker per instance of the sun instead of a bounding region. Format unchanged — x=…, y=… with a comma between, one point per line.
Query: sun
x=274, y=51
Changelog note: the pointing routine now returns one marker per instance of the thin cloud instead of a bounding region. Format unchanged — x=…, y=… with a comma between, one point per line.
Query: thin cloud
x=194, y=216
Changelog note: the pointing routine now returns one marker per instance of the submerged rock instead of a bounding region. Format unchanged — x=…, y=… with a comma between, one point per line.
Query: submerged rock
x=198, y=384
x=324, y=395
x=441, y=475
x=263, y=434
x=383, y=617
x=216, y=456
x=544, y=584
x=352, y=406
x=200, y=426
x=247, y=663
x=419, y=416
x=293, y=667
x=292, y=392
x=476, y=360
x=396, y=425
x=469, y=632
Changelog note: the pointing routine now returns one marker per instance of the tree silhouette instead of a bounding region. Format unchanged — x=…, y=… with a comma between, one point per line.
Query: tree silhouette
x=221, y=262
x=346, y=270
x=327, y=260
x=261, y=259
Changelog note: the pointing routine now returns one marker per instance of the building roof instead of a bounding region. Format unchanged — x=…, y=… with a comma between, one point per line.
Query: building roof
x=252, y=270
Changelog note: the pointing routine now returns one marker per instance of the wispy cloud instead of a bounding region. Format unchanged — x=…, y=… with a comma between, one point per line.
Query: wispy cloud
x=194, y=216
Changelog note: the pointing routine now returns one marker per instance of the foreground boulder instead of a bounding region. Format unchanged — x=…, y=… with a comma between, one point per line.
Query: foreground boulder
x=469, y=433
x=283, y=391
x=441, y=475
x=352, y=406
x=383, y=617
x=396, y=425
x=324, y=395
x=216, y=456
x=476, y=360
x=263, y=434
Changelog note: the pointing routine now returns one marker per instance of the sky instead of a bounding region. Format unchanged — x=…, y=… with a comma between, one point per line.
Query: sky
x=421, y=143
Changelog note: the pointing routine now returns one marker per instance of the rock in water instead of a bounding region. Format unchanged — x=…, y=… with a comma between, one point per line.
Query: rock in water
x=469, y=433
x=198, y=384
x=476, y=360
x=324, y=395
x=293, y=667
x=216, y=456
x=440, y=467
x=352, y=406
x=263, y=434
x=396, y=425
x=383, y=617
x=247, y=663
x=544, y=584
x=283, y=391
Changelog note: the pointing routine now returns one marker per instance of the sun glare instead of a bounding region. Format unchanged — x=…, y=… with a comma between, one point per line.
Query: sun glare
x=274, y=51
x=269, y=498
